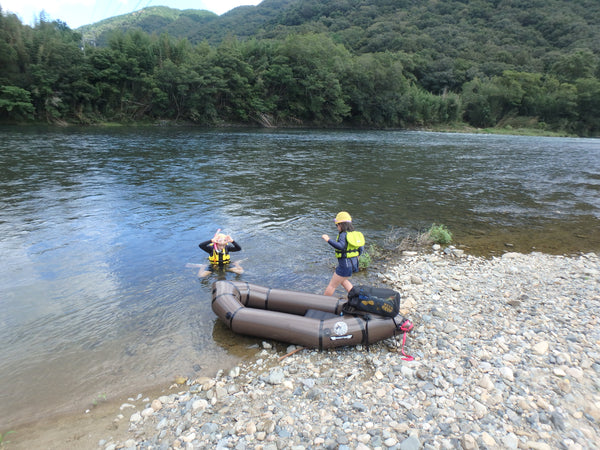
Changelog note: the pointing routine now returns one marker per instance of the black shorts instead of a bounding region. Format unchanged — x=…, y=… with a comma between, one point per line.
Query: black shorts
x=347, y=266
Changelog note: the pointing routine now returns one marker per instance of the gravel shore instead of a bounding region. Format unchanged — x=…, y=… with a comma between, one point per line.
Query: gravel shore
x=506, y=355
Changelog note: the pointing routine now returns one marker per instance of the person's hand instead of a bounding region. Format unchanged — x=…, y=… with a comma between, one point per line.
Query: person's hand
x=229, y=239
x=325, y=238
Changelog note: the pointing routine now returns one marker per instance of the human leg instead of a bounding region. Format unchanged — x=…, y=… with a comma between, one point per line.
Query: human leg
x=346, y=284
x=336, y=280
x=236, y=268
x=351, y=263
x=203, y=272
x=342, y=272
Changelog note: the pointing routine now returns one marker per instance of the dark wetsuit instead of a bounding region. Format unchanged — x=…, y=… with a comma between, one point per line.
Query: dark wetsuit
x=346, y=266
x=207, y=246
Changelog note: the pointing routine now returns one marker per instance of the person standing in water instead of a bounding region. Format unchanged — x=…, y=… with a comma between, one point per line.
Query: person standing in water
x=218, y=249
x=349, y=245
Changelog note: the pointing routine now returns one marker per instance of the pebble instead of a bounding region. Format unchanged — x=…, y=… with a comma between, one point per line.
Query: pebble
x=507, y=355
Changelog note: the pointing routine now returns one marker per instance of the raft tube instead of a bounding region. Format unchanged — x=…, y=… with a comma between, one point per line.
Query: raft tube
x=309, y=320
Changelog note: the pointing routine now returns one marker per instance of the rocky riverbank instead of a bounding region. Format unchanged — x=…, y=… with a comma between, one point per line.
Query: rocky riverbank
x=507, y=355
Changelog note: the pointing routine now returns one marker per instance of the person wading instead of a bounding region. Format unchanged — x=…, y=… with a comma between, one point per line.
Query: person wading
x=349, y=245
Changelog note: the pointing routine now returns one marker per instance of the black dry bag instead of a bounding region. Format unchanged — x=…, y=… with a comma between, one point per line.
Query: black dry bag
x=373, y=300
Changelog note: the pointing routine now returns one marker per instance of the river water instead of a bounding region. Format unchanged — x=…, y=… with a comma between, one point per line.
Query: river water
x=97, y=226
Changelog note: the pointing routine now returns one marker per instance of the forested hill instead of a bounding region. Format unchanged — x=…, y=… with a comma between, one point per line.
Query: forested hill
x=447, y=41
x=452, y=28
x=375, y=63
x=152, y=20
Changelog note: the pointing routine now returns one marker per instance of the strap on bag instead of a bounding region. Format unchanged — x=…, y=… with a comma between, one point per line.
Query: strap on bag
x=406, y=326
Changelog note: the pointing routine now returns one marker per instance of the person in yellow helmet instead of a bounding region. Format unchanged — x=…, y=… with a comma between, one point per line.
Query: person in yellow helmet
x=347, y=259
x=218, y=249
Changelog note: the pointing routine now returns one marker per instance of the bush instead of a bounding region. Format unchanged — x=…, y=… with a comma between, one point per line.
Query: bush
x=367, y=256
x=439, y=234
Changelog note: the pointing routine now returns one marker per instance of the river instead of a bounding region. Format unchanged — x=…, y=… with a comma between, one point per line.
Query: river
x=97, y=226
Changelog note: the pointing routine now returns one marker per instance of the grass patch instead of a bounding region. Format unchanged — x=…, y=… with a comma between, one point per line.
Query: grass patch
x=3, y=438
x=439, y=234
x=99, y=399
x=370, y=253
x=399, y=242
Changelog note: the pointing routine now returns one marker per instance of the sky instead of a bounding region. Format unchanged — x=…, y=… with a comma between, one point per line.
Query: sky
x=76, y=13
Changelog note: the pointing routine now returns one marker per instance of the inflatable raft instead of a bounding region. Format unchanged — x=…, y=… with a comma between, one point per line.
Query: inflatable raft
x=309, y=320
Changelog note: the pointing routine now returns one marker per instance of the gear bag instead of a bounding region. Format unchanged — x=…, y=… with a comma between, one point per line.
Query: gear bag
x=381, y=301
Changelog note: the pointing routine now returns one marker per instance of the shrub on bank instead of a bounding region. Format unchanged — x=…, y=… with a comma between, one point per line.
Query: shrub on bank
x=439, y=234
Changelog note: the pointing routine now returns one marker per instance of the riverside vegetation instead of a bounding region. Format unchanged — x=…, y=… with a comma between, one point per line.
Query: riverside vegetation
x=437, y=234
x=484, y=64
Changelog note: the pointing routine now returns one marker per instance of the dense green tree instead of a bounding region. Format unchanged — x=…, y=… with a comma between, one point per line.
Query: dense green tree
x=205, y=96
x=122, y=75
x=54, y=54
x=374, y=85
x=315, y=92
x=235, y=98
x=487, y=101
x=168, y=49
x=444, y=74
x=176, y=83
x=575, y=65
x=13, y=51
x=105, y=79
x=376, y=63
x=588, y=105
x=15, y=103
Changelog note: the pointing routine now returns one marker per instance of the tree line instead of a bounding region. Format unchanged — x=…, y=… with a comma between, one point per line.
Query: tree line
x=48, y=74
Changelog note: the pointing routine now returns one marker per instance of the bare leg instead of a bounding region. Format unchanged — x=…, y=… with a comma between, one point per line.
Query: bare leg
x=202, y=272
x=237, y=268
x=347, y=284
x=336, y=280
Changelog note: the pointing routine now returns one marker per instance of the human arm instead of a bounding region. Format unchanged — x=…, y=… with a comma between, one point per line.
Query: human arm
x=340, y=244
x=207, y=246
x=233, y=246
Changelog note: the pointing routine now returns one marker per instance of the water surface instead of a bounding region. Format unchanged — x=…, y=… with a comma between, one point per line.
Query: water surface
x=97, y=226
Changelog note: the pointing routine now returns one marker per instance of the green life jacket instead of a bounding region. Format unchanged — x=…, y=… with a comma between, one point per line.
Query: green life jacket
x=354, y=240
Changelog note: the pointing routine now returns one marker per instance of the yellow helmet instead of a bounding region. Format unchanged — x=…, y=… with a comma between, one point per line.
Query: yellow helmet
x=343, y=216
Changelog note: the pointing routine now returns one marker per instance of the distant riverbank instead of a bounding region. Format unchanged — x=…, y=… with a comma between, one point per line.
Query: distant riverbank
x=454, y=128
